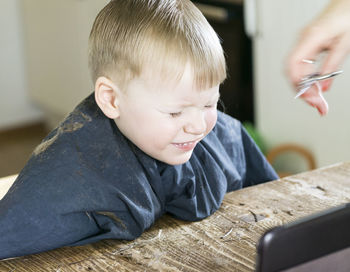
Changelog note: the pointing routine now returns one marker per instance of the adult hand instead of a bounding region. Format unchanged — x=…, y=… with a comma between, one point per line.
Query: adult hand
x=330, y=33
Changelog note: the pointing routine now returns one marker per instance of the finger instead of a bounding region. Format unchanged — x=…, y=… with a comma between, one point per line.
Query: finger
x=334, y=59
x=336, y=55
x=315, y=99
x=322, y=107
x=326, y=84
x=320, y=104
x=310, y=45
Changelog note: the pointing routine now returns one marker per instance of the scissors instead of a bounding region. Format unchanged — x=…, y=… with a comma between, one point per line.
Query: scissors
x=308, y=81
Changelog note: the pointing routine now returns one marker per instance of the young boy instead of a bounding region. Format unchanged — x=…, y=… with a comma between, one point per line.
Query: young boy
x=150, y=141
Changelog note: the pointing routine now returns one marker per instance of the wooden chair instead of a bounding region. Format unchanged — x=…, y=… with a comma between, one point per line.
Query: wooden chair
x=274, y=153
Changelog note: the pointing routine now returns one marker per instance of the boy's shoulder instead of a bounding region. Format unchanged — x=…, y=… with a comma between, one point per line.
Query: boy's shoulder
x=84, y=135
x=86, y=116
x=224, y=118
x=227, y=126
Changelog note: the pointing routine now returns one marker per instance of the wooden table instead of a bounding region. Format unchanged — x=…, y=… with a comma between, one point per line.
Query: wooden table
x=226, y=241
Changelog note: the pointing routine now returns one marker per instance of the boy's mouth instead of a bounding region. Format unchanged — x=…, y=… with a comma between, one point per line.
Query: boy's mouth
x=186, y=146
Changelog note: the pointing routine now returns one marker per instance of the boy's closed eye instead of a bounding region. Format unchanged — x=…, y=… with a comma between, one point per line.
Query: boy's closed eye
x=178, y=113
x=175, y=114
x=211, y=105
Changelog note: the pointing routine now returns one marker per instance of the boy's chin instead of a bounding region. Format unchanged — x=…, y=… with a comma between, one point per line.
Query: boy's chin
x=177, y=160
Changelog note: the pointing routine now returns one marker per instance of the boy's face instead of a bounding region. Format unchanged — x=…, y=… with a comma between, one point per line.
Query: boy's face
x=167, y=119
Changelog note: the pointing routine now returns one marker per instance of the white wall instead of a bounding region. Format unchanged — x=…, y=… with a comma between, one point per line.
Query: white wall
x=56, y=38
x=15, y=105
x=280, y=118
x=43, y=58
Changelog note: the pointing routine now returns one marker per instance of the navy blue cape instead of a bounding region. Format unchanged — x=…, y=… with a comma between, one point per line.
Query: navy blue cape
x=86, y=182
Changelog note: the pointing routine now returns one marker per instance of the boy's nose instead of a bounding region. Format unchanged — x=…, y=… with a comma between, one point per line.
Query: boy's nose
x=196, y=123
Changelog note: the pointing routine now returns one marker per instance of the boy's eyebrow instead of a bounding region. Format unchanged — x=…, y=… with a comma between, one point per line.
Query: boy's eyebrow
x=214, y=98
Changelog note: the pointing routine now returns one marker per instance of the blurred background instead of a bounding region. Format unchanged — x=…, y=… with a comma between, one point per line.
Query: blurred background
x=44, y=75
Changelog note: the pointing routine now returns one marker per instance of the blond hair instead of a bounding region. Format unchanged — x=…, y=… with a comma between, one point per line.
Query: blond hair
x=129, y=36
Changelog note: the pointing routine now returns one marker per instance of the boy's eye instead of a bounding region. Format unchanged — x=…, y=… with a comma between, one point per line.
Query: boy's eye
x=211, y=106
x=175, y=114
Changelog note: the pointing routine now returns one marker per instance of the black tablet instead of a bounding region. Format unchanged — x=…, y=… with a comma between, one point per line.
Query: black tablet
x=319, y=242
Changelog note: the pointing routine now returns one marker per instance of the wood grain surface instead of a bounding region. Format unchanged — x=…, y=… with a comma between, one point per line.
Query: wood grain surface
x=226, y=241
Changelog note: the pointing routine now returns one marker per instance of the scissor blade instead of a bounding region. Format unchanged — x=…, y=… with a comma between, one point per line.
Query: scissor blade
x=326, y=76
x=317, y=77
x=302, y=91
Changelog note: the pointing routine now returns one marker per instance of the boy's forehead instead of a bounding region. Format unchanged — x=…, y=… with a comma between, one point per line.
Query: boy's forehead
x=174, y=91
x=159, y=77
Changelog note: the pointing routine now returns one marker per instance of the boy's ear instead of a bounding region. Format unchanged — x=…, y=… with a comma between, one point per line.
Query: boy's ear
x=106, y=96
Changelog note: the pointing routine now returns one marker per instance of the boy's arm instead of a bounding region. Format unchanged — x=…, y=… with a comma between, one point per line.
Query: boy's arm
x=36, y=218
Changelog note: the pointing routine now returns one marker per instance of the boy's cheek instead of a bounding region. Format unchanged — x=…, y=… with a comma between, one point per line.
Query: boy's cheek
x=211, y=118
